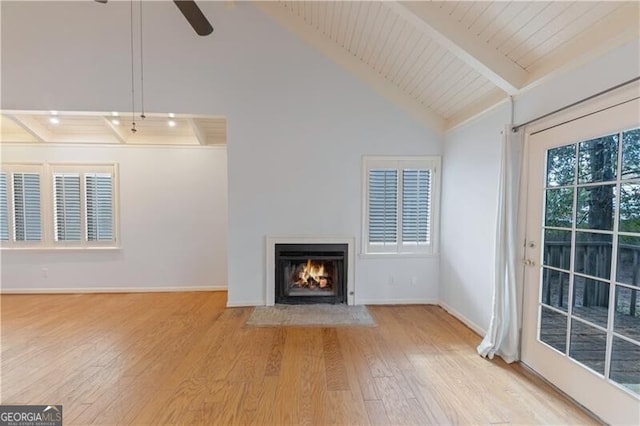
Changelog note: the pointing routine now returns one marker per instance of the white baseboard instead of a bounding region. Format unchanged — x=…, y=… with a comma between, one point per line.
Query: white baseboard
x=109, y=290
x=466, y=321
x=248, y=303
x=397, y=302
x=245, y=303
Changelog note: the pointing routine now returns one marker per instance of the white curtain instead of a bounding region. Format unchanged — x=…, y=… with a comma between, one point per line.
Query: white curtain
x=503, y=335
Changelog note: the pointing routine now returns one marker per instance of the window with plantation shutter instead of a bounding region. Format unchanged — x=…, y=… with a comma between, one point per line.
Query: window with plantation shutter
x=383, y=206
x=84, y=205
x=51, y=206
x=416, y=203
x=67, y=206
x=99, y=201
x=400, y=205
x=26, y=207
x=4, y=209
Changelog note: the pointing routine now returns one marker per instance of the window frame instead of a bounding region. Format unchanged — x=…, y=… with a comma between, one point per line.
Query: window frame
x=54, y=209
x=10, y=170
x=85, y=196
x=47, y=173
x=400, y=248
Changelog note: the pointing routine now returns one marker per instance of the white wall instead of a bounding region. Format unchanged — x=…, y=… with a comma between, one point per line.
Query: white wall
x=173, y=216
x=469, y=207
x=298, y=125
x=615, y=67
x=471, y=172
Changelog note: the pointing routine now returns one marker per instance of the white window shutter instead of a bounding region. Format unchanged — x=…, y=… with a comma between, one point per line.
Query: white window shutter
x=400, y=205
x=416, y=205
x=383, y=206
x=26, y=205
x=4, y=210
x=99, y=200
x=67, y=207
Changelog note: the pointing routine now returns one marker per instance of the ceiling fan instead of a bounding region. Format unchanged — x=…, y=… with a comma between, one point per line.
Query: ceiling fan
x=193, y=14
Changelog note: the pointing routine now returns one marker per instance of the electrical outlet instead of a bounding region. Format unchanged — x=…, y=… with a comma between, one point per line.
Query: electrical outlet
x=414, y=280
x=45, y=272
x=392, y=281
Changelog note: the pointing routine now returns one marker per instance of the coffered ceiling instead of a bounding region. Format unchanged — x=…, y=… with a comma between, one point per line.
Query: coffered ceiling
x=446, y=61
x=110, y=128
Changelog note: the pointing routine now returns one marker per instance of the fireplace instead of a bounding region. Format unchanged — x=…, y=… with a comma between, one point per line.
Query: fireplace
x=310, y=273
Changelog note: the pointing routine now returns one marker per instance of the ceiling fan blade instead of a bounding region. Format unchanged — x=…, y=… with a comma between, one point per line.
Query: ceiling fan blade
x=194, y=15
x=101, y=1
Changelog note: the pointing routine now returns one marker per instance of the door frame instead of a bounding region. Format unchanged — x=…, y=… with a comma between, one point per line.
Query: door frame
x=618, y=406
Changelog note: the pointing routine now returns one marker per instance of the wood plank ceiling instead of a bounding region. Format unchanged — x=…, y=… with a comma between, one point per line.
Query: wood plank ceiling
x=455, y=58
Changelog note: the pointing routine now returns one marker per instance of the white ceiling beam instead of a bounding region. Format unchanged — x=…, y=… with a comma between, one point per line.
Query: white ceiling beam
x=115, y=131
x=430, y=19
x=352, y=64
x=32, y=126
x=197, y=131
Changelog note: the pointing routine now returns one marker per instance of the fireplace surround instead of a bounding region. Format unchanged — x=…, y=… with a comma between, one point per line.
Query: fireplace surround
x=297, y=264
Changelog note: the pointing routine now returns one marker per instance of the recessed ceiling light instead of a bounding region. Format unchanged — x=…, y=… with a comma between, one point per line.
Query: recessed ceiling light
x=171, y=115
x=115, y=121
x=54, y=112
x=54, y=120
x=171, y=123
x=115, y=114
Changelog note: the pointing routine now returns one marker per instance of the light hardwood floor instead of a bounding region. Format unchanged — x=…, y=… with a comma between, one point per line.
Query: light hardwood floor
x=182, y=358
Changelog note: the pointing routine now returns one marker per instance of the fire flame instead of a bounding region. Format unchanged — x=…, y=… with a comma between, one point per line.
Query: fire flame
x=313, y=274
x=312, y=270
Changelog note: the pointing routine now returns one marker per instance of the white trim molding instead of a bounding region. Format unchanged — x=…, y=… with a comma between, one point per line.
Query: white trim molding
x=398, y=301
x=109, y=290
x=245, y=304
x=271, y=241
x=466, y=321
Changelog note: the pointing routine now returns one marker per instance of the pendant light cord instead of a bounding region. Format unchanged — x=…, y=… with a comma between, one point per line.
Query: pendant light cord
x=133, y=99
x=141, y=67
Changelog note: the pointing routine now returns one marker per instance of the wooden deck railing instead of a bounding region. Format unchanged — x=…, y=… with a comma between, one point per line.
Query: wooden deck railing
x=593, y=258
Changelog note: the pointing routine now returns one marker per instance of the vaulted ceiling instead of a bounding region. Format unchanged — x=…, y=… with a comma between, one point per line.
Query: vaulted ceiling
x=447, y=61
x=443, y=62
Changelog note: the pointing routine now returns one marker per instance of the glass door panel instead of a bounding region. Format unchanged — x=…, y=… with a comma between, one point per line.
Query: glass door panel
x=581, y=320
x=580, y=226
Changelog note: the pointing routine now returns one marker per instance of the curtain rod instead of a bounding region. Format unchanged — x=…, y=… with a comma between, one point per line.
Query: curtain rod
x=516, y=128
